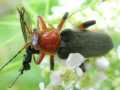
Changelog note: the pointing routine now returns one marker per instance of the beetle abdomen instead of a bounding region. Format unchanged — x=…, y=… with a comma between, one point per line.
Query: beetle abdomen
x=87, y=43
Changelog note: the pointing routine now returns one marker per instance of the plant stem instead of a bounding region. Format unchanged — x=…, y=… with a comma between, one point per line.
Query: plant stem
x=47, y=8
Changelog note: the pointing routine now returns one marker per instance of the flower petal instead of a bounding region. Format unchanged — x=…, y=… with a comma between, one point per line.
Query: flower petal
x=75, y=60
x=42, y=86
x=79, y=72
x=56, y=78
x=102, y=63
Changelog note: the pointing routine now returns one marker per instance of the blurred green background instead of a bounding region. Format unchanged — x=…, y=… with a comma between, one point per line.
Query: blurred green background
x=105, y=12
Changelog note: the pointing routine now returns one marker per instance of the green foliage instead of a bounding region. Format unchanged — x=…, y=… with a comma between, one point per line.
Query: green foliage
x=11, y=40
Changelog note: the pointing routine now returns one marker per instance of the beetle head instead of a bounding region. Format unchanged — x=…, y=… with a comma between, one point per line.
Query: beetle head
x=50, y=38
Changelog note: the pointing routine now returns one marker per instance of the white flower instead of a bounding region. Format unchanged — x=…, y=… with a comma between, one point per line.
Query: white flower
x=79, y=72
x=118, y=52
x=65, y=6
x=77, y=85
x=102, y=63
x=42, y=86
x=91, y=89
x=88, y=66
x=107, y=9
x=101, y=76
x=69, y=86
x=74, y=60
x=56, y=78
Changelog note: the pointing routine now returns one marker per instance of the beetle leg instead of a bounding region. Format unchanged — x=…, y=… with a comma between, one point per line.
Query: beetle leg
x=33, y=56
x=62, y=21
x=86, y=24
x=41, y=24
x=27, y=59
x=42, y=54
x=51, y=62
x=82, y=66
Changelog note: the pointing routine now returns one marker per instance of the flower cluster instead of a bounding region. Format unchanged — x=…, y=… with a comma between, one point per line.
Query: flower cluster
x=72, y=77
x=102, y=73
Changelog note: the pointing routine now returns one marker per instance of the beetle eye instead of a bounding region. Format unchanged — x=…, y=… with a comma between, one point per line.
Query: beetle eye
x=34, y=40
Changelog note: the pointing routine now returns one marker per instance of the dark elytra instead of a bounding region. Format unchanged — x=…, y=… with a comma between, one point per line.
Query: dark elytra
x=87, y=43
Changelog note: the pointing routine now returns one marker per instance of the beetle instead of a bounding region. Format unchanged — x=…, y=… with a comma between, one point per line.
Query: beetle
x=52, y=41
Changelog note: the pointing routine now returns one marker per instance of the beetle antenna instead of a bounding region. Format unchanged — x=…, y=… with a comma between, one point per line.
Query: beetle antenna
x=13, y=83
x=14, y=56
x=15, y=80
x=10, y=59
